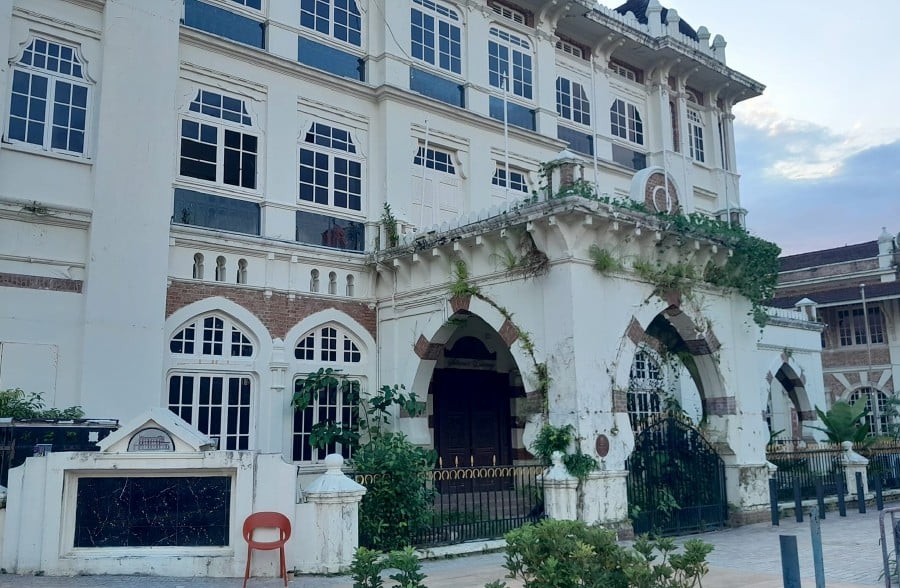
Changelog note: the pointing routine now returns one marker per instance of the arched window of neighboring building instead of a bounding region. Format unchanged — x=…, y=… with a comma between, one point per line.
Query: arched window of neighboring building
x=645, y=387
x=220, y=269
x=214, y=397
x=242, y=271
x=337, y=400
x=876, y=405
x=314, y=280
x=198, y=266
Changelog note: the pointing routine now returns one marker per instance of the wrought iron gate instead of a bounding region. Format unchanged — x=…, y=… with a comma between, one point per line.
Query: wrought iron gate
x=676, y=481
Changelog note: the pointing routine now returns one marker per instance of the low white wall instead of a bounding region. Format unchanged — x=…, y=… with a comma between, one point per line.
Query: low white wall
x=39, y=526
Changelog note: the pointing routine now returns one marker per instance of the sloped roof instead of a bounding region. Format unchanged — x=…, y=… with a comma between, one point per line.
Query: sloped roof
x=867, y=250
x=639, y=8
x=874, y=291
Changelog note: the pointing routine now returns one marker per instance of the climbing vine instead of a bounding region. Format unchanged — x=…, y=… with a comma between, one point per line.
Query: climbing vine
x=461, y=287
x=551, y=439
x=751, y=270
x=390, y=226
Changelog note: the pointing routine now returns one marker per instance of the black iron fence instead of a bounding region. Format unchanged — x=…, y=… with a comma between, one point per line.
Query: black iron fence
x=884, y=462
x=808, y=467
x=20, y=439
x=479, y=502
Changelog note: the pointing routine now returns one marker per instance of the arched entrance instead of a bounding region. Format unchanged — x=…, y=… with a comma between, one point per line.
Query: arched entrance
x=676, y=480
x=472, y=389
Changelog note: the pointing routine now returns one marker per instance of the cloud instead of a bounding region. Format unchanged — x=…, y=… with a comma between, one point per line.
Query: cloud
x=847, y=203
x=802, y=150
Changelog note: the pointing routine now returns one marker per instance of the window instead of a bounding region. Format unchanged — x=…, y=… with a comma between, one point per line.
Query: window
x=198, y=266
x=328, y=344
x=212, y=336
x=624, y=71
x=220, y=269
x=236, y=25
x=876, y=410
x=216, y=142
x=339, y=19
x=436, y=36
x=217, y=401
x=332, y=283
x=645, y=386
x=509, y=63
x=852, y=326
x=242, y=271
x=509, y=13
x=441, y=161
x=625, y=121
x=695, y=135
x=517, y=179
x=337, y=400
x=330, y=170
x=314, y=280
x=218, y=405
x=349, y=286
x=573, y=50
x=572, y=102
x=49, y=101
x=330, y=231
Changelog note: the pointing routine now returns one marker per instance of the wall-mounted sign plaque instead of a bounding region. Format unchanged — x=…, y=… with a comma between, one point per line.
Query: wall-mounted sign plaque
x=151, y=439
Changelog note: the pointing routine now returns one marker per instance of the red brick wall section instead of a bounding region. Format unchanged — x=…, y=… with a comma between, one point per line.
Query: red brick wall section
x=458, y=303
x=655, y=181
x=509, y=333
x=856, y=356
x=278, y=313
x=720, y=406
x=40, y=283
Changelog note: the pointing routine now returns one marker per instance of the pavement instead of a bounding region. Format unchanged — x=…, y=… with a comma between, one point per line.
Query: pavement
x=743, y=557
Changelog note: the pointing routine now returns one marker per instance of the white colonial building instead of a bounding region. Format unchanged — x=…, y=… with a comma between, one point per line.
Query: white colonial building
x=194, y=215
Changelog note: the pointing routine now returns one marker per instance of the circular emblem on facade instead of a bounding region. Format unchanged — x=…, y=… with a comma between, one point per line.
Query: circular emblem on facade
x=602, y=445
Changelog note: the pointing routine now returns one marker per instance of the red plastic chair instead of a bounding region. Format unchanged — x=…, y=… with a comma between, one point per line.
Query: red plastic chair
x=267, y=520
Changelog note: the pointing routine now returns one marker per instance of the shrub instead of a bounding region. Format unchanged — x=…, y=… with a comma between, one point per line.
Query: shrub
x=18, y=404
x=397, y=504
x=568, y=554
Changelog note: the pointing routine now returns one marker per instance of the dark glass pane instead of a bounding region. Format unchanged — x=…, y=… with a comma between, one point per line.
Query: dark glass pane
x=20, y=82
x=433, y=86
x=318, y=229
x=35, y=133
x=225, y=23
x=216, y=212
x=578, y=141
x=330, y=59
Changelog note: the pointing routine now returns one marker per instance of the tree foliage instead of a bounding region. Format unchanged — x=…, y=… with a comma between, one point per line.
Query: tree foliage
x=17, y=404
x=845, y=421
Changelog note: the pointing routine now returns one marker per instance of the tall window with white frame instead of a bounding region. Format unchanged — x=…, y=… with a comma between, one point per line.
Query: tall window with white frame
x=339, y=19
x=48, y=105
x=645, y=387
x=695, y=135
x=436, y=35
x=625, y=121
x=218, y=142
x=211, y=384
x=877, y=417
x=572, y=102
x=334, y=402
x=436, y=194
x=330, y=168
x=510, y=63
x=851, y=325
x=518, y=179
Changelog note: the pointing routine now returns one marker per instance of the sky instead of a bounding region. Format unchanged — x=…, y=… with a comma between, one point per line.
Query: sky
x=819, y=151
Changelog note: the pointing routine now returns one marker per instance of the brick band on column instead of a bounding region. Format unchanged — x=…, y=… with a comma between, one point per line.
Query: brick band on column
x=458, y=303
x=509, y=333
x=425, y=349
x=41, y=283
x=720, y=406
x=620, y=401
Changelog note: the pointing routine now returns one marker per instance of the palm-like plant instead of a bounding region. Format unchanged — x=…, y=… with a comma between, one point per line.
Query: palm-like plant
x=845, y=421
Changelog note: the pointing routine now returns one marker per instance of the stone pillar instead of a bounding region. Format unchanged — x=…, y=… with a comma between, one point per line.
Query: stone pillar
x=560, y=491
x=854, y=462
x=567, y=170
x=336, y=518
x=604, y=498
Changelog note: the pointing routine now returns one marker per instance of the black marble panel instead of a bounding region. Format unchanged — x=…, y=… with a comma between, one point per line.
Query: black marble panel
x=144, y=512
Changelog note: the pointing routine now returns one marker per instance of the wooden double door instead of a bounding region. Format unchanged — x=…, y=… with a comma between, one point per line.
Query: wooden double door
x=472, y=417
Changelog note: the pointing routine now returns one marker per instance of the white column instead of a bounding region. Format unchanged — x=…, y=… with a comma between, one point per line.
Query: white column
x=336, y=500
x=125, y=288
x=560, y=491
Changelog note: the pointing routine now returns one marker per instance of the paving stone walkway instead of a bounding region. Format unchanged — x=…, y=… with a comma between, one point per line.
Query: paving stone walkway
x=746, y=557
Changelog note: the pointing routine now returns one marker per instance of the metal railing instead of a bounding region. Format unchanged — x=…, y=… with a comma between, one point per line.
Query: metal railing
x=478, y=502
x=884, y=462
x=807, y=467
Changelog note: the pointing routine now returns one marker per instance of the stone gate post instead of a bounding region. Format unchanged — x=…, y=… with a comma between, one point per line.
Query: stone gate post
x=560, y=491
x=336, y=517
